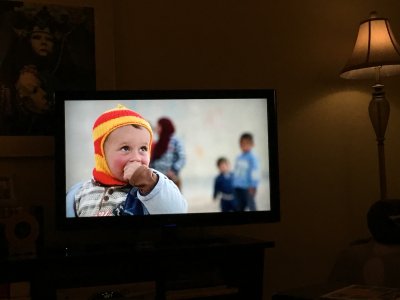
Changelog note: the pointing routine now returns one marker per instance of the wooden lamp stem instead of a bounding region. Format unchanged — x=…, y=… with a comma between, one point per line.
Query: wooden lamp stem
x=379, y=110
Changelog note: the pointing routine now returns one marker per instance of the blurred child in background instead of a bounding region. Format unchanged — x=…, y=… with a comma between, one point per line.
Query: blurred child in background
x=223, y=187
x=246, y=174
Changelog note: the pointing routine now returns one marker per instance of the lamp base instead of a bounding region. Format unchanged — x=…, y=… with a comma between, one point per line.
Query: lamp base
x=383, y=220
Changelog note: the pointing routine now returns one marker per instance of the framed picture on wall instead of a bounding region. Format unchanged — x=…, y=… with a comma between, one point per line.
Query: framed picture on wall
x=43, y=49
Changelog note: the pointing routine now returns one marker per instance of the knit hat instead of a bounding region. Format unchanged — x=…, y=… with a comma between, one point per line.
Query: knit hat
x=106, y=123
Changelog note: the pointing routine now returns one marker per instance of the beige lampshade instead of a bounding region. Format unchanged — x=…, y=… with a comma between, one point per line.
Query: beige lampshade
x=375, y=47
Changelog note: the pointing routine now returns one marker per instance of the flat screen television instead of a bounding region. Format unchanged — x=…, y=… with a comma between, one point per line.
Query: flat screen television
x=208, y=123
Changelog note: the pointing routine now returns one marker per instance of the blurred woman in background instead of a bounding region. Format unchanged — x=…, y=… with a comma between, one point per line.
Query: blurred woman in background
x=168, y=152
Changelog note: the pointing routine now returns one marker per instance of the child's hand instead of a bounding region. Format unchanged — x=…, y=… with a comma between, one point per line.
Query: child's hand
x=130, y=169
x=142, y=177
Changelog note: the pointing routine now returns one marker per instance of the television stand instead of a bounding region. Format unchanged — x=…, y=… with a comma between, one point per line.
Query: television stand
x=221, y=268
x=170, y=237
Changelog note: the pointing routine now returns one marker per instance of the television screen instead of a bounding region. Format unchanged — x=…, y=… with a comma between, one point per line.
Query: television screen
x=206, y=126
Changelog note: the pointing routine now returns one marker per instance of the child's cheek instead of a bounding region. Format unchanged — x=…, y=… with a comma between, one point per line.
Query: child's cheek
x=121, y=162
x=118, y=165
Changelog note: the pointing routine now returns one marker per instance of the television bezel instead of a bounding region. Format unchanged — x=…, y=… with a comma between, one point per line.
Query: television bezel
x=166, y=220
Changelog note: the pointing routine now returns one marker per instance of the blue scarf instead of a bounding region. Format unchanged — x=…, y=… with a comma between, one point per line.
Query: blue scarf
x=132, y=205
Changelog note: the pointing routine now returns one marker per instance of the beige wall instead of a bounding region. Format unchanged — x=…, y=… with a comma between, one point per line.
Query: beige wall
x=328, y=156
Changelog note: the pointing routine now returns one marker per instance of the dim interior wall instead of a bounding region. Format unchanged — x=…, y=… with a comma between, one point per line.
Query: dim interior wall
x=328, y=155
x=327, y=149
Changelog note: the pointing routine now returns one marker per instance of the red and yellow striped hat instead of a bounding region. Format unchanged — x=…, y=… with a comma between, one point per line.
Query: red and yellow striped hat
x=103, y=126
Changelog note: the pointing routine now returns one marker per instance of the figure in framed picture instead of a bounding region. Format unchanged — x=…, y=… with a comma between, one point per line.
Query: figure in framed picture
x=49, y=49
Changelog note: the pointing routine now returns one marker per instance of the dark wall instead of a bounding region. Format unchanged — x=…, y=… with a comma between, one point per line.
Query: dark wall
x=328, y=156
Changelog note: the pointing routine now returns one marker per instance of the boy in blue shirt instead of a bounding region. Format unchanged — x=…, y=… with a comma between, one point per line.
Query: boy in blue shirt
x=246, y=174
x=223, y=186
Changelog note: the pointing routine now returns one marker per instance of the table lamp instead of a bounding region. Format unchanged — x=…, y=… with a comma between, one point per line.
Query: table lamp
x=376, y=54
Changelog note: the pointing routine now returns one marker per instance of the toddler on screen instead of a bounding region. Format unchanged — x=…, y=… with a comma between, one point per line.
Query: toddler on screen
x=223, y=186
x=246, y=174
x=123, y=183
